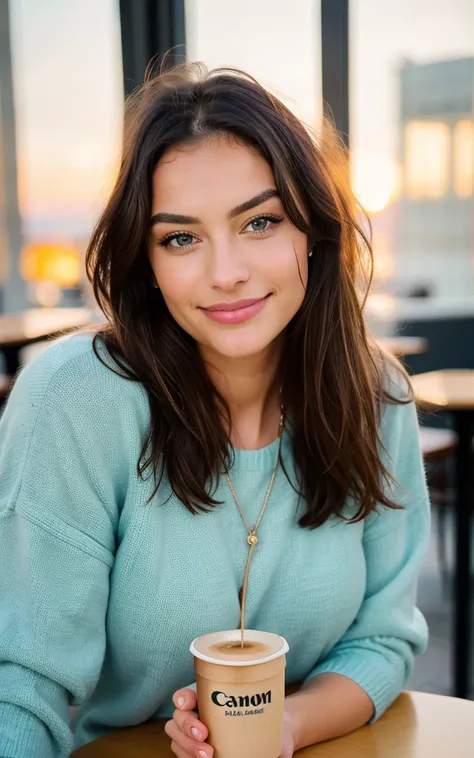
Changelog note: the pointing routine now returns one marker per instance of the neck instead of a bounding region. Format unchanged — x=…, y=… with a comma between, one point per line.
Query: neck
x=250, y=387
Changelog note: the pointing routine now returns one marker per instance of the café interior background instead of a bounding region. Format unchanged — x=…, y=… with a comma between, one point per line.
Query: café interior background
x=410, y=136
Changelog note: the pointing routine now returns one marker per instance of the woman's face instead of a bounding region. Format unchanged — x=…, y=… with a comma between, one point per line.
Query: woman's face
x=231, y=267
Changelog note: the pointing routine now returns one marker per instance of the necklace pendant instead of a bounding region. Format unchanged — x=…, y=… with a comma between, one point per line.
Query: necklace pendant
x=252, y=539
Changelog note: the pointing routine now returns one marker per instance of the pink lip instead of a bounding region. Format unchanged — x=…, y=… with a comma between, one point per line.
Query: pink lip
x=236, y=312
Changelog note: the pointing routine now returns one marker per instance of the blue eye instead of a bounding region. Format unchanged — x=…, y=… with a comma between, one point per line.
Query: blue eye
x=183, y=240
x=261, y=224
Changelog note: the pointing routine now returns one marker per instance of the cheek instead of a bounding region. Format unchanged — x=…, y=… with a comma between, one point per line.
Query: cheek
x=175, y=280
x=289, y=266
x=178, y=293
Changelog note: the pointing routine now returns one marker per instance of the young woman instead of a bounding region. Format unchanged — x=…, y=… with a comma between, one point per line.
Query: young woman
x=234, y=385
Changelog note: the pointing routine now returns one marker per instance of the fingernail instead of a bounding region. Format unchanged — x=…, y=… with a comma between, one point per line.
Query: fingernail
x=181, y=702
x=202, y=754
x=196, y=734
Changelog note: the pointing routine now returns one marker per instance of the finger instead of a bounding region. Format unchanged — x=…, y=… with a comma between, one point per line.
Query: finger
x=189, y=723
x=187, y=744
x=179, y=752
x=185, y=700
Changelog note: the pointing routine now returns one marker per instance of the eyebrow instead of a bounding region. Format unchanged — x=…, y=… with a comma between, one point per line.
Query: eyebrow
x=174, y=218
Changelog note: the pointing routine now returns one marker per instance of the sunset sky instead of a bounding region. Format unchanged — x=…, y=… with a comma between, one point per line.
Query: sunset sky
x=68, y=86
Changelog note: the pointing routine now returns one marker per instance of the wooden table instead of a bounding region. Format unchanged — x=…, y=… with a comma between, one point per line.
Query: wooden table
x=401, y=346
x=20, y=329
x=454, y=391
x=416, y=726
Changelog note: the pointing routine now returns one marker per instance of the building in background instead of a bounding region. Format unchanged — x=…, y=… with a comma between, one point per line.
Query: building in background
x=434, y=248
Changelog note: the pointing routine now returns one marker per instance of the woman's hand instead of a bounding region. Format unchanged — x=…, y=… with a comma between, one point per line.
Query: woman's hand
x=288, y=738
x=189, y=735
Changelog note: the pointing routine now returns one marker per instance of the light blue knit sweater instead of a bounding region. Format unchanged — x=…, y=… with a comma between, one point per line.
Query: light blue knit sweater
x=101, y=594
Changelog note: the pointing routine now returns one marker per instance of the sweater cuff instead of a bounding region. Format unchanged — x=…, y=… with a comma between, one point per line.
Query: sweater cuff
x=380, y=679
x=22, y=734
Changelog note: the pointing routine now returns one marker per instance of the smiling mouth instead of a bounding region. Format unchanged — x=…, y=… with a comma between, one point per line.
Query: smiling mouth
x=236, y=312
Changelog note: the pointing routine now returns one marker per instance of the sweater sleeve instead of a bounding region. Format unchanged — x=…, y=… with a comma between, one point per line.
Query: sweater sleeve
x=377, y=651
x=56, y=552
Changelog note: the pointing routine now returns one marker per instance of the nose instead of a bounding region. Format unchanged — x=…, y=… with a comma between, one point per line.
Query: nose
x=227, y=267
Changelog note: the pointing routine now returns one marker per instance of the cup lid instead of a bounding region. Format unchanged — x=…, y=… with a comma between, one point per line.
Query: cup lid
x=204, y=648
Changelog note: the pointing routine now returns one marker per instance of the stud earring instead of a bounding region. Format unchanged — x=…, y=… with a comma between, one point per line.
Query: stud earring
x=310, y=253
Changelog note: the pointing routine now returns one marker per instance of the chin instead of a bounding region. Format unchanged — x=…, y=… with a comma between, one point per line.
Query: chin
x=235, y=346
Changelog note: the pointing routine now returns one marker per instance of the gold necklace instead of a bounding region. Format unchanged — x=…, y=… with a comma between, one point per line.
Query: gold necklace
x=252, y=538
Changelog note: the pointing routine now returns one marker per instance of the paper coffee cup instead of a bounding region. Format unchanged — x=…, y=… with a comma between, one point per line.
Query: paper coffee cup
x=241, y=692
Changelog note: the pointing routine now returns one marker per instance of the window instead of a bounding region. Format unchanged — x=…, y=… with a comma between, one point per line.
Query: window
x=427, y=159
x=67, y=80
x=464, y=158
x=412, y=144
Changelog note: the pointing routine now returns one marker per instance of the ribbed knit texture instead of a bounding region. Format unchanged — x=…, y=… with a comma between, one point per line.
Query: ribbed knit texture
x=102, y=593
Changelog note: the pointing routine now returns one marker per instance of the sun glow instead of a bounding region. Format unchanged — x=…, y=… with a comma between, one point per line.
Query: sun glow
x=375, y=179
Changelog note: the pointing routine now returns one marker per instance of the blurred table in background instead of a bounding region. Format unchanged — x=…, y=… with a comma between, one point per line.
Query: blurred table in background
x=416, y=726
x=453, y=391
x=17, y=330
x=401, y=346
x=446, y=323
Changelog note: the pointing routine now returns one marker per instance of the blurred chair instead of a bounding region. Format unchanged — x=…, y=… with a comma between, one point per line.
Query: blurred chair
x=437, y=446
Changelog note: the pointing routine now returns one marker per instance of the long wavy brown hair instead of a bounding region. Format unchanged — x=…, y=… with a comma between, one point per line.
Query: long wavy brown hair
x=333, y=376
